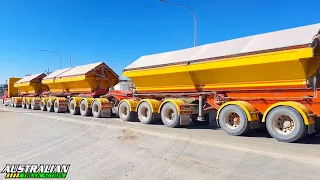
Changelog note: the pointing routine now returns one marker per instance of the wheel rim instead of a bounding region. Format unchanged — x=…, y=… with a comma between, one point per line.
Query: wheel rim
x=283, y=124
x=95, y=108
x=72, y=106
x=83, y=107
x=144, y=113
x=169, y=115
x=124, y=111
x=232, y=120
x=56, y=105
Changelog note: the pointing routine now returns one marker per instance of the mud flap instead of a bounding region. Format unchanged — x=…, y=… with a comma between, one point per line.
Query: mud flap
x=212, y=117
x=185, y=119
x=311, y=128
x=254, y=124
x=63, y=106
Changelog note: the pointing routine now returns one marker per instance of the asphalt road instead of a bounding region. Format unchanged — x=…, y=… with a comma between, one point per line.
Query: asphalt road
x=112, y=149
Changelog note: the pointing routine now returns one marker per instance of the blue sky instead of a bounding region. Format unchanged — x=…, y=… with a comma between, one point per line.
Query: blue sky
x=120, y=31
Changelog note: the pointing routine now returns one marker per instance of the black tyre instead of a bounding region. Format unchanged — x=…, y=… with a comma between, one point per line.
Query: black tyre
x=56, y=105
x=49, y=106
x=96, y=109
x=15, y=103
x=43, y=106
x=84, y=109
x=73, y=109
x=12, y=103
x=145, y=114
x=34, y=106
x=285, y=124
x=28, y=104
x=24, y=106
x=124, y=112
x=233, y=120
x=170, y=116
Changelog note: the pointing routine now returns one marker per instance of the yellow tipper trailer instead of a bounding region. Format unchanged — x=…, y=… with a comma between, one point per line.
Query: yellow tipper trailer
x=270, y=78
x=85, y=79
x=29, y=90
x=78, y=86
x=256, y=61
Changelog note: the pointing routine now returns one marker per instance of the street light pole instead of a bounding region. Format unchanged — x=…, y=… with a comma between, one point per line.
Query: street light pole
x=194, y=17
x=54, y=52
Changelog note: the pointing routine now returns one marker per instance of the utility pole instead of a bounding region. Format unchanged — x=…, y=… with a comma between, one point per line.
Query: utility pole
x=70, y=61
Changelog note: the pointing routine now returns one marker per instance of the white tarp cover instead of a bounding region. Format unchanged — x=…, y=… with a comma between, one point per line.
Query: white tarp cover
x=56, y=73
x=272, y=40
x=29, y=78
x=78, y=70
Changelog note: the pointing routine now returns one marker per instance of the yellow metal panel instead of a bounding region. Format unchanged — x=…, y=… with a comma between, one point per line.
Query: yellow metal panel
x=44, y=100
x=304, y=111
x=62, y=100
x=133, y=104
x=37, y=99
x=88, y=101
x=28, y=99
x=245, y=106
x=77, y=101
x=12, y=91
x=176, y=102
x=257, y=84
x=18, y=99
x=264, y=58
x=154, y=104
x=30, y=87
x=51, y=99
x=24, y=100
x=70, y=79
x=102, y=102
x=22, y=84
x=289, y=67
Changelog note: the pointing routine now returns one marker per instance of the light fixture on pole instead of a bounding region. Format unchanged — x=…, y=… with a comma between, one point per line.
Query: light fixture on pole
x=194, y=17
x=54, y=52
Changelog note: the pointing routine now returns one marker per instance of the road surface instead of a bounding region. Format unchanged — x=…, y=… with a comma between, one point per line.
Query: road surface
x=108, y=148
